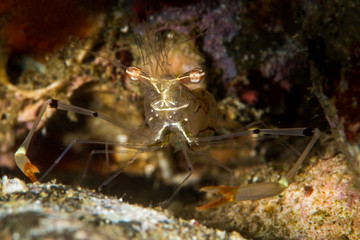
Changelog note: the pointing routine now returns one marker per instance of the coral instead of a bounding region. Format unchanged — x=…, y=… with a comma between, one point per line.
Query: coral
x=219, y=23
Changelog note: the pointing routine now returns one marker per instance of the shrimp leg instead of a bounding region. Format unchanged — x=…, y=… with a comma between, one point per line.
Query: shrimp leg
x=21, y=159
x=262, y=190
x=191, y=171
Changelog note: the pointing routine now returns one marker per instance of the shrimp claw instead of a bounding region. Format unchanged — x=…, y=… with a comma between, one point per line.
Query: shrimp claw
x=228, y=193
x=23, y=162
x=258, y=191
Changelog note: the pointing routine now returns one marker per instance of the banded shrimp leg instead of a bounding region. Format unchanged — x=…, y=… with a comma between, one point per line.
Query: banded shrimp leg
x=24, y=163
x=258, y=191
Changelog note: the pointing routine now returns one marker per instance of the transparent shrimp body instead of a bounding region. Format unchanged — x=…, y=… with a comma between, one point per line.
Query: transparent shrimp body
x=173, y=112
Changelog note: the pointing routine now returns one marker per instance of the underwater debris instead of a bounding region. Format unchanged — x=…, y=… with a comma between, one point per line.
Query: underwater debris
x=10, y=186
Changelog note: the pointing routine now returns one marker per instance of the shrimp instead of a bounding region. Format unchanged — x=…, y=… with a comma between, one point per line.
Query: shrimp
x=177, y=114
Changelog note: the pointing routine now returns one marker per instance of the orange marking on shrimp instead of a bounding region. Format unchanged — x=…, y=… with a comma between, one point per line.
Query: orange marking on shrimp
x=30, y=170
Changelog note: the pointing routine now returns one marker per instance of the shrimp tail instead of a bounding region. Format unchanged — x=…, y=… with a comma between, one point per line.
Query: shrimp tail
x=228, y=193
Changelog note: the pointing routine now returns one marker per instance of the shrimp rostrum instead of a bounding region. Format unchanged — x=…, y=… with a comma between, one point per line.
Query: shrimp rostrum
x=176, y=114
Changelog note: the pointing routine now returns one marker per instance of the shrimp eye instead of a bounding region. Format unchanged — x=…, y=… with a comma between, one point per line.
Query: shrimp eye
x=136, y=74
x=194, y=76
x=197, y=75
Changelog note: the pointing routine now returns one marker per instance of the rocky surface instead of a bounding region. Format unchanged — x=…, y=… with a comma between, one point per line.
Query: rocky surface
x=322, y=203
x=56, y=211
